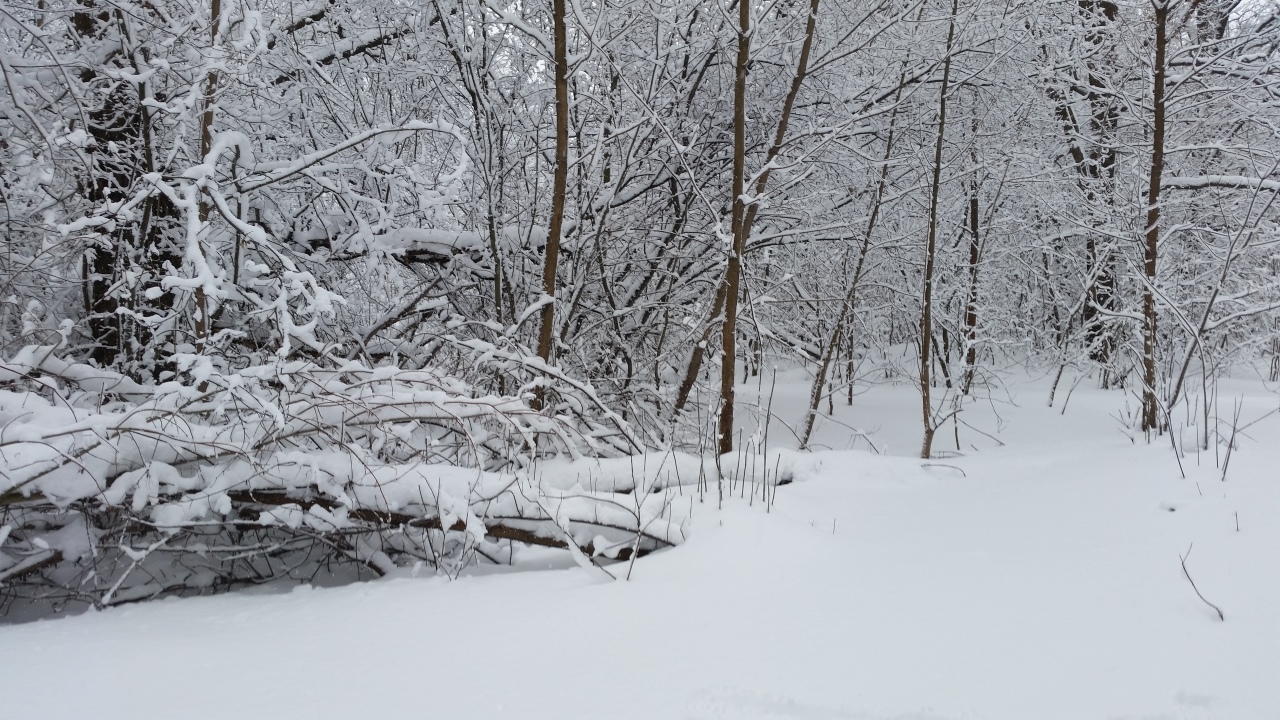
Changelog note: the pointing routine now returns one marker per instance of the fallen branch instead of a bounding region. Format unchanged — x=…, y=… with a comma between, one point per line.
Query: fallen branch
x=1193, y=584
x=944, y=465
x=31, y=564
x=495, y=527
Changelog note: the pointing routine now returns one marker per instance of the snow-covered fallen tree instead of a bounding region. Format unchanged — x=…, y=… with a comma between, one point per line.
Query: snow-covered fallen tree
x=113, y=491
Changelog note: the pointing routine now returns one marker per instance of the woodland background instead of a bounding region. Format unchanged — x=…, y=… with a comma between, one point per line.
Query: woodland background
x=325, y=289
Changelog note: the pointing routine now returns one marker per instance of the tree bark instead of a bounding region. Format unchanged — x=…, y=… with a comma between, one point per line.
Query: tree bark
x=206, y=144
x=559, y=184
x=122, y=120
x=971, y=303
x=802, y=70
x=1098, y=171
x=733, y=274
x=1150, y=418
x=930, y=250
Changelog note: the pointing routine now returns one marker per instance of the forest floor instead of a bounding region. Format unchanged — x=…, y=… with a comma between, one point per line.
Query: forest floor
x=1034, y=578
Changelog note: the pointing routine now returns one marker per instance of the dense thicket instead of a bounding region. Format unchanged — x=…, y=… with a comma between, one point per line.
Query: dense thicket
x=295, y=289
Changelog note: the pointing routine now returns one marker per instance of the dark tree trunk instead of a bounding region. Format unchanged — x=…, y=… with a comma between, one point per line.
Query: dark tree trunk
x=930, y=250
x=733, y=274
x=1150, y=418
x=140, y=249
x=559, y=185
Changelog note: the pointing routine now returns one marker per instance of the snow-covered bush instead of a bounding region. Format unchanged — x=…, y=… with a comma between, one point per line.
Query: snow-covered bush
x=112, y=490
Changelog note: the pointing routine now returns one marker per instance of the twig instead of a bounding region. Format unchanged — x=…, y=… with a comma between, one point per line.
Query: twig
x=1235, y=425
x=1193, y=584
x=980, y=432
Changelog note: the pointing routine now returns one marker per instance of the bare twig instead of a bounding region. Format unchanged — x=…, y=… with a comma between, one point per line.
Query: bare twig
x=1235, y=425
x=1193, y=584
x=944, y=465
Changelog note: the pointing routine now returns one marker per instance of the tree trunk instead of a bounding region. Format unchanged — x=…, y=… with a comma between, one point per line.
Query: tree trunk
x=559, y=184
x=733, y=275
x=1097, y=173
x=1150, y=419
x=971, y=303
x=142, y=247
x=802, y=70
x=699, y=352
x=846, y=308
x=206, y=144
x=930, y=250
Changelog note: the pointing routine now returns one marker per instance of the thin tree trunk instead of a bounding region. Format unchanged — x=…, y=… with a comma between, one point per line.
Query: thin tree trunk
x=733, y=274
x=762, y=182
x=846, y=308
x=930, y=251
x=971, y=304
x=206, y=144
x=780, y=136
x=699, y=352
x=559, y=184
x=1150, y=419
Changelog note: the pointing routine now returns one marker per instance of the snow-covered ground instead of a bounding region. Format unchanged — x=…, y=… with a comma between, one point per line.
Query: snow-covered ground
x=1038, y=579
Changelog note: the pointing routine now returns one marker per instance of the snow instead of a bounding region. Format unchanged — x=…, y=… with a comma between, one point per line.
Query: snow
x=1038, y=579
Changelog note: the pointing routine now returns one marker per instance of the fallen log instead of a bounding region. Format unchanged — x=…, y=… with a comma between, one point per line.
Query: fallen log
x=501, y=528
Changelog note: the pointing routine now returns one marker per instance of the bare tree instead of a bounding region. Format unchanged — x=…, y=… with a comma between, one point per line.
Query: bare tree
x=931, y=240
